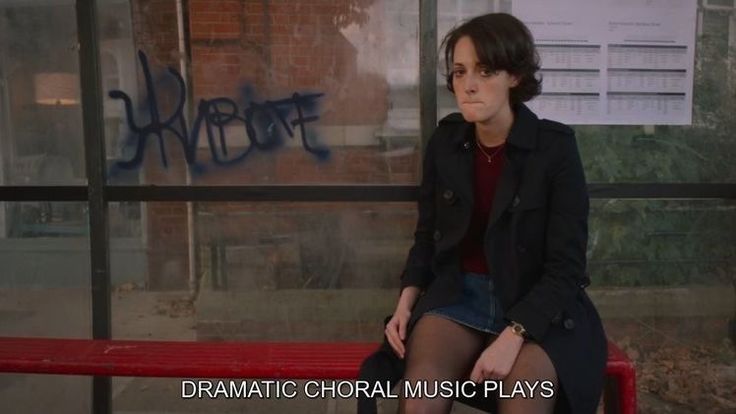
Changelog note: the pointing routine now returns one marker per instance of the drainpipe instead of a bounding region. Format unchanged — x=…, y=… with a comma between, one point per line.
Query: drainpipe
x=191, y=208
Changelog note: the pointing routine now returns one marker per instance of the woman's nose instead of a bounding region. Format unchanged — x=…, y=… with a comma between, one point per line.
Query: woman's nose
x=471, y=85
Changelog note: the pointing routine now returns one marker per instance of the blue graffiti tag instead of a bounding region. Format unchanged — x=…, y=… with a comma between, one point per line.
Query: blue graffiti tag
x=214, y=115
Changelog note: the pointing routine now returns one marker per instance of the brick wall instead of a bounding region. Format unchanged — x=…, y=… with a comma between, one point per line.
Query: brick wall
x=276, y=48
x=280, y=47
x=155, y=32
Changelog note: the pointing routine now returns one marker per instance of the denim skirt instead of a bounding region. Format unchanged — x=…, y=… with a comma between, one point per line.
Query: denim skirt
x=478, y=307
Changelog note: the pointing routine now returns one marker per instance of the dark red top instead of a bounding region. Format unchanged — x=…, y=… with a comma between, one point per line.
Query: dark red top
x=484, y=187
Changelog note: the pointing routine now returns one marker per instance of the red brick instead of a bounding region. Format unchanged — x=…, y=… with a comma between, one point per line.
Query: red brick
x=281, y=29
x=230, y=7
x=281, y=8
x=300, y=60
x=254, y=7
x=200, y=6
x=203, y=17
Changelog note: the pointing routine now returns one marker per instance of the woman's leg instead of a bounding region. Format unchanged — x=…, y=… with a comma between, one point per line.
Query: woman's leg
x=438, y=349
x=531, y=365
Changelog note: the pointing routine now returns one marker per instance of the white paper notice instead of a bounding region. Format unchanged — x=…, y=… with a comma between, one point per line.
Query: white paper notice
x=613, y=61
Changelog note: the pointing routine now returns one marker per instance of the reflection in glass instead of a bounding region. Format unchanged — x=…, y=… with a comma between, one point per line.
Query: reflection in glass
x=281, y=93
x=40, y=112
x=317, y=260
x=697, y=153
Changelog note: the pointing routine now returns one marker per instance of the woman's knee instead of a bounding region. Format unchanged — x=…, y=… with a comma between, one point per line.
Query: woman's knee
x=532, y=364
x=530, y=372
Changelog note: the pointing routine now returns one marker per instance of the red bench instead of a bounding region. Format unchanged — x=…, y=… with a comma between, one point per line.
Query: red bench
x=294, y=360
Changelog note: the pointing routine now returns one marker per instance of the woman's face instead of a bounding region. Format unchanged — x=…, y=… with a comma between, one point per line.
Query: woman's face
x=481, y=93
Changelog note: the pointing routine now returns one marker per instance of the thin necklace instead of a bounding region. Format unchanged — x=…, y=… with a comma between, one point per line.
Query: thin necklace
x=489, y=157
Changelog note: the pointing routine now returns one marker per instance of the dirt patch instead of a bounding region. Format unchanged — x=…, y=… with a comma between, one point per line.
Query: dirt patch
x=675, y=378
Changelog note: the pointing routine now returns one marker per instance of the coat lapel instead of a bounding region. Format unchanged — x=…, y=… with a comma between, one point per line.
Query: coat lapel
x=522, y=138
x=507, y=185
x=461, y=163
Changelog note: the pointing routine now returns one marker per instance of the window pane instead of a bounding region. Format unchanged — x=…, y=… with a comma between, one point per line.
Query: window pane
x=327, y=265
x=697, y=153
x=663, y=281
x=40, y=113
x=43, y=219
x=280, y=92
x=45, y=292
x=45, y=277
x=662, y=242
x=44, y=246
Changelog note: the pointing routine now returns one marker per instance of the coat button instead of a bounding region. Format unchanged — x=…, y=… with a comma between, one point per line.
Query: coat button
x=569, y=324
x=516, y=201
x=557, y=317
x=466, y=145
x=437, y=235
x=585, y=283
x=448, y=194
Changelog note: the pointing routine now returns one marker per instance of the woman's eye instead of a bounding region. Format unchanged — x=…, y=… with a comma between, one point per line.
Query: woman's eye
x=457, y=72
x=488, y=72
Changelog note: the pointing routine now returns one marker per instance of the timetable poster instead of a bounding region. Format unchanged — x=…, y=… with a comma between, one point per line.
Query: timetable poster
x=613, y=61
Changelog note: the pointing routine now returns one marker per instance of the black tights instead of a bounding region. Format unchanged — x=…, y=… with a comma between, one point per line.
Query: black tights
x=441, y=349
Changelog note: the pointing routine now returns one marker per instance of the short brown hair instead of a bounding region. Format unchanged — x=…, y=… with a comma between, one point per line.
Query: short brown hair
x=502, y=42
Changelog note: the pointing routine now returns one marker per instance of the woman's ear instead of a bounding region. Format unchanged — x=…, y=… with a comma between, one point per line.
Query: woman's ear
x=515, y=79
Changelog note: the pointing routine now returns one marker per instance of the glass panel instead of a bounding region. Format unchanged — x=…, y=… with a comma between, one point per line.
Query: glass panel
x=44, y=246
x=697, y=153
x=327, y=265
x=45, y=277
x=149, y=259
x=31, y=219
x=40, y=113
x=662, y=242
x=44, y=292
x=264, y=272
x=118, y=71
x=661, y=269
x=663, y=281
x=278, y=92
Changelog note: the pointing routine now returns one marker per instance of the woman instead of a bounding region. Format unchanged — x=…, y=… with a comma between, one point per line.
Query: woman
x=493, y=287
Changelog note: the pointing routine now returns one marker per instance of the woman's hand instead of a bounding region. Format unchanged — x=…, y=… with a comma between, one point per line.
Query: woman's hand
x=396, y=330
x=496, y=361
x=396, y=327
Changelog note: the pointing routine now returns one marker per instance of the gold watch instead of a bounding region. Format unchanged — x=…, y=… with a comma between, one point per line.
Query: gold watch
x=518, y=329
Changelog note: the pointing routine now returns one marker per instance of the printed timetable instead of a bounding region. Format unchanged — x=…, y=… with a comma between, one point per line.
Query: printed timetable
x=613, y=61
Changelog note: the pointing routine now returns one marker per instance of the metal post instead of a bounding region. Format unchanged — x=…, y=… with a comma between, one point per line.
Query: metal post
x=95, y=162
x=427, y=69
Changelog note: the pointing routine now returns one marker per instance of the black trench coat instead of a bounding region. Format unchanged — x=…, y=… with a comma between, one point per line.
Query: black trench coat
x=535, y=243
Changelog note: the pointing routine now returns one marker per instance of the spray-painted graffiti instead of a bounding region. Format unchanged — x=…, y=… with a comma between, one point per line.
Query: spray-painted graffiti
x=260, y=120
